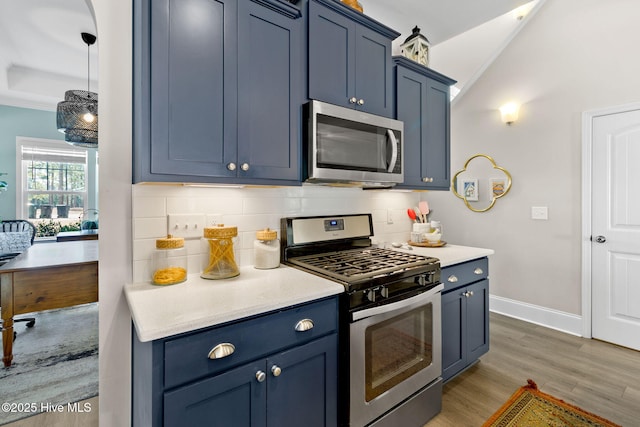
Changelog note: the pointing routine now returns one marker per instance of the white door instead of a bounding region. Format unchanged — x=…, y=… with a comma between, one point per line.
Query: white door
x=615, y=227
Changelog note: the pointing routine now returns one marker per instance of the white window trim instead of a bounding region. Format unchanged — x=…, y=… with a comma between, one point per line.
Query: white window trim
x=21, y=176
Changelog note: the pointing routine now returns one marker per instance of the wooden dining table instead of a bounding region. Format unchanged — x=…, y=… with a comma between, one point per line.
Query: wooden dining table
x=45, y=277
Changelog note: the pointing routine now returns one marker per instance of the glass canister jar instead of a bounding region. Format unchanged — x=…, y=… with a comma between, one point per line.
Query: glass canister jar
x=266, y=249
x=221, y=262
x=169, y=261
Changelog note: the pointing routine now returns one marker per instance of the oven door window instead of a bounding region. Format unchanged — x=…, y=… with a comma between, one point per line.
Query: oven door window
x=396, y=349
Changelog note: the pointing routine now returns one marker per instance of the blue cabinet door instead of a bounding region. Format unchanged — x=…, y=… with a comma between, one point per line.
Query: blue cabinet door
x=331, y=56
x=235, y=398
x=349, y=59
x=423, y=104
x=218, y=89
x=477, y=320
x=465, y=327
x=270, y=89
x=193, y=81
x=304, y=393
x=454, y=346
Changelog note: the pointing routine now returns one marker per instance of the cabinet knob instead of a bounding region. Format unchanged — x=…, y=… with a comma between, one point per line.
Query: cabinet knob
x=427, y=179
x=276, y=371
x=352, y=100
x=360, y=101
x=244, y=167
x=478, y=271
x=452, y=279
x=261, y=376
x=470, y=293
x=231, y=166
x=221, y=350
x=304, y=325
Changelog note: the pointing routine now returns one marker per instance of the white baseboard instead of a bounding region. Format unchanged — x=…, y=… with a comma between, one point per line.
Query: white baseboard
x=554, y=319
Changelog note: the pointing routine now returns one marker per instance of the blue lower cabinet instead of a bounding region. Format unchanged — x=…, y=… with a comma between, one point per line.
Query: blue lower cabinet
x=465, y=316
x=275, y=375
x=234, y=398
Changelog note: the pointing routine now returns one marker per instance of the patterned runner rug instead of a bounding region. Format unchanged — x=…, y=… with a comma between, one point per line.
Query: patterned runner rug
x=54, y=363
x=531, y=408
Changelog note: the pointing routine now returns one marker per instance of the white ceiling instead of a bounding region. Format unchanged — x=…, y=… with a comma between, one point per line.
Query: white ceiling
x=42, y=53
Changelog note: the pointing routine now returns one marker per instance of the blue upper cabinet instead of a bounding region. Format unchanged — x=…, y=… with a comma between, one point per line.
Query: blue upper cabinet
x=217, y=91
x=350, y=58
x=423, y=104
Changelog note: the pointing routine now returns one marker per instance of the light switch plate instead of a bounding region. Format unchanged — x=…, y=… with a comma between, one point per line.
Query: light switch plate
x=185, y=225
x=539, y=212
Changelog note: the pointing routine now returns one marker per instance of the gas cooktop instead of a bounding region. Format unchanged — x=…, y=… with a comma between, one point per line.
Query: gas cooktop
x=354, y=265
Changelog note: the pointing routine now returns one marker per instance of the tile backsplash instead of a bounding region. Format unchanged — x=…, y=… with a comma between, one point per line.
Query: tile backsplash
x=253, y=209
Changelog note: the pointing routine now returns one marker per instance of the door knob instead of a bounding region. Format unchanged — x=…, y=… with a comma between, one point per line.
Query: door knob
x=600, y=239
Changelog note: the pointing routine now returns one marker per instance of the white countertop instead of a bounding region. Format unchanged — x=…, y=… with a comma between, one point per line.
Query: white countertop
x=452, y=254
x=162, y=311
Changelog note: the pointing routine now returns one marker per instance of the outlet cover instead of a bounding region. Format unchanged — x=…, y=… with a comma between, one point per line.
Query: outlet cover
x=185, y=225
x=539, y=212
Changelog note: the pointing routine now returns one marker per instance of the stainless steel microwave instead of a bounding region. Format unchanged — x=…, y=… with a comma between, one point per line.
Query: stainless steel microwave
x=350, y=147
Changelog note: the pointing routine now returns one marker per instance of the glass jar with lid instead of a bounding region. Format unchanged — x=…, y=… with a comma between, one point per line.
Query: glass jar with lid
x=220, y=262
x=169, y=261
x=266, y=249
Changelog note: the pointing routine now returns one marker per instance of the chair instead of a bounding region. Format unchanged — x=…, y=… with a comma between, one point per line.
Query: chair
x=23, y=234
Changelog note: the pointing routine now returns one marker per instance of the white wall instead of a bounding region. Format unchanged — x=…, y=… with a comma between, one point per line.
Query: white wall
x=113, y=21
x=572, y=56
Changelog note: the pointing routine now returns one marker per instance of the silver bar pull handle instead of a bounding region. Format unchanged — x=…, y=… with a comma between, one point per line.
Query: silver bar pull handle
x=304, y=325
x=394, y=152
x=221, y=350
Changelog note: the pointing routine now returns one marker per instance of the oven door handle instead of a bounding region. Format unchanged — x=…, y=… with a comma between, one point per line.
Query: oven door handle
x=417, y=300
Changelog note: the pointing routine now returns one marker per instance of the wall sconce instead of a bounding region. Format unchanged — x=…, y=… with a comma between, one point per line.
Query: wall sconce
x=509, y=112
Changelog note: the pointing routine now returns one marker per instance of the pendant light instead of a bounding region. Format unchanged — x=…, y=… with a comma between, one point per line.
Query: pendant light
x=77, y=115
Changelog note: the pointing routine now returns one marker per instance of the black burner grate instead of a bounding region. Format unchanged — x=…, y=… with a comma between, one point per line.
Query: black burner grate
x=357, y=264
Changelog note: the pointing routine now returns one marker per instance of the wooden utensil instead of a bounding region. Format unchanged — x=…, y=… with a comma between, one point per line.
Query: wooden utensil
x=424, y=210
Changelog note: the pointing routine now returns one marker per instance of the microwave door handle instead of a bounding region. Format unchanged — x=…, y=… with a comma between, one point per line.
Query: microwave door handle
x=394, y=152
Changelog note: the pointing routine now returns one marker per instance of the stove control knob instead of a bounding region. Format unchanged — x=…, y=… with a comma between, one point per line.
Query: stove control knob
x=370, y=295
x=384, y=292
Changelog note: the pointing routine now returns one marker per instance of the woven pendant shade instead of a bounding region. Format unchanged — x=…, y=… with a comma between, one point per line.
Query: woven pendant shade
x=71, y=118
x=77, y=115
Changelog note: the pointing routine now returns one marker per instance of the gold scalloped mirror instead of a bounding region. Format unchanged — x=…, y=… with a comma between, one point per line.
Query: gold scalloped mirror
x=481, y=183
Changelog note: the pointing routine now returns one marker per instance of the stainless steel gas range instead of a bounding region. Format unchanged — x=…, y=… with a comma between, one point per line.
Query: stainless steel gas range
x=390, y=319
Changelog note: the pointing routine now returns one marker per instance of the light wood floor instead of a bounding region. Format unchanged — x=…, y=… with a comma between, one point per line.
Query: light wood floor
x=598, y=377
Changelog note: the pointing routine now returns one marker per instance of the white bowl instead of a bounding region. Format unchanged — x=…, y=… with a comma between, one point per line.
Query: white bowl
x=433, y=237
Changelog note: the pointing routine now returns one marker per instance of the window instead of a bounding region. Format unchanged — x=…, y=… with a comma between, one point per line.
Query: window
x=54, y=180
